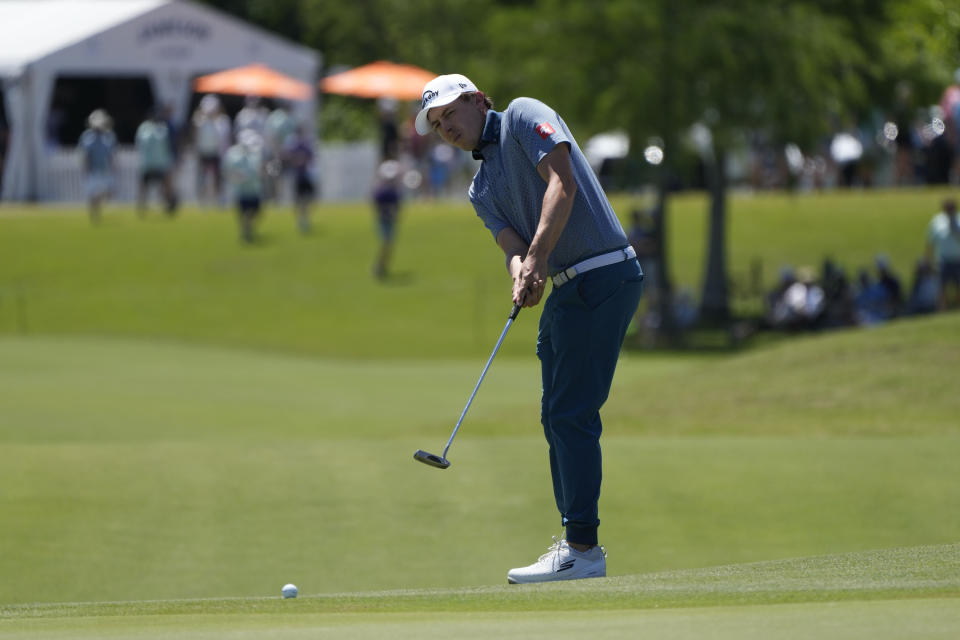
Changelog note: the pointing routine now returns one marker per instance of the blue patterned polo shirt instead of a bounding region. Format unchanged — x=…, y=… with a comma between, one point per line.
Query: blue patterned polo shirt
x=507, y=191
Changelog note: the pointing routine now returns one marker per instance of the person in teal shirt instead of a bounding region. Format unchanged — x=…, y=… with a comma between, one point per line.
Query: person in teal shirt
x=152, y=141
x=243, y=169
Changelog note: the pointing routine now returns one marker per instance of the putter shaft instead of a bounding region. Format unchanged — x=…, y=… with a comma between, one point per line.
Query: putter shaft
x=441, y=461
x=503, y=334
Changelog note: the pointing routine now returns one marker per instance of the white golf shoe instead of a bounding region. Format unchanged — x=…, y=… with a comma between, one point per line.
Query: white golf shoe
x=562, y=562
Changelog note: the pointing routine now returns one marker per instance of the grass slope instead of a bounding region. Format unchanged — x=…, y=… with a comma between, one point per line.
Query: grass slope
x=151, y=470
x=189, y=279
x=887, y=380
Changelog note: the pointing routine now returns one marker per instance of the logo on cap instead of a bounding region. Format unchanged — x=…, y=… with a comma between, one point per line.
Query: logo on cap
x=428, y=97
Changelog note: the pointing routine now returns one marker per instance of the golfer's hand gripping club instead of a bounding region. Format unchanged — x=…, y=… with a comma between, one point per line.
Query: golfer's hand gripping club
x=441, y=461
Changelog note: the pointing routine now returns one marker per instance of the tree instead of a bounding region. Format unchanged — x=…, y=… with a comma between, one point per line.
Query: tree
x=788, y=70
x=795, y=70
x=780, y=68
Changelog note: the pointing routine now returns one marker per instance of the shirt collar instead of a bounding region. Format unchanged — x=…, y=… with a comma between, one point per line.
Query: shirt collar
x=490, y=134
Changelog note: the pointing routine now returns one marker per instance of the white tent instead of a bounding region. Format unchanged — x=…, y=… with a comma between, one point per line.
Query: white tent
x=168, y=41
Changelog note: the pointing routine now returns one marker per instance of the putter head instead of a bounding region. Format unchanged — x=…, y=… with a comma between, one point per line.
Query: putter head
x=431, y=459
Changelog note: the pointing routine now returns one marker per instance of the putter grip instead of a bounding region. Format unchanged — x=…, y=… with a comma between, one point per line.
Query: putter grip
x=515, y=312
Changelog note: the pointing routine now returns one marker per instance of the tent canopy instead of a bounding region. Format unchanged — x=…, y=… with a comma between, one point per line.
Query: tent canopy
x=254, y=80
x=31, y=30
x=381, y=79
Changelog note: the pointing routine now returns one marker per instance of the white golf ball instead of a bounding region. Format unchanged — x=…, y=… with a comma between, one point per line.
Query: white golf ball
x=289, y=591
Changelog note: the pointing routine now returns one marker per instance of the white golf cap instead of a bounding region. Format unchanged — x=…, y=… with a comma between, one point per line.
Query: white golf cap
x=441, y=91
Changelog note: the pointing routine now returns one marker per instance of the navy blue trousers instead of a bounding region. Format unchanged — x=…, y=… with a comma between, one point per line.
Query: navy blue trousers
x=582, y=327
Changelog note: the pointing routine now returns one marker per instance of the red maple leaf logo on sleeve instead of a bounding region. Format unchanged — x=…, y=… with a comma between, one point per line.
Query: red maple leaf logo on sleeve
x=545, y=130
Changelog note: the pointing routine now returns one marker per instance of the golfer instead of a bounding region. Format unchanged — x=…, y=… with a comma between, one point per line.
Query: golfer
x=539, y=198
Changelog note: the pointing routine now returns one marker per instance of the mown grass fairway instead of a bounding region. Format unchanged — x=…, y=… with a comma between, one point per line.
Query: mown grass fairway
x=187, y=424
x=890, y=594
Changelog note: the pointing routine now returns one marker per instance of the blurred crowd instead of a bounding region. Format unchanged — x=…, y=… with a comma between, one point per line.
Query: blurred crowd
x=259, y=155
x=903, y=147
x=877, y=294
x=804, y=299
x=245, y=160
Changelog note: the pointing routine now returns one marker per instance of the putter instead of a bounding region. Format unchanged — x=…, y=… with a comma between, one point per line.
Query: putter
x=441, y=462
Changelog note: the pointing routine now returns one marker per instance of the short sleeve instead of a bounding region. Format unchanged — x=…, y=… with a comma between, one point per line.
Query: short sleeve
x=536, y=128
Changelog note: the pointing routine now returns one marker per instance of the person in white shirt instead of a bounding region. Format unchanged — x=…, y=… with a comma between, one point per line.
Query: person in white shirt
x=211, y=138
x=943, y=251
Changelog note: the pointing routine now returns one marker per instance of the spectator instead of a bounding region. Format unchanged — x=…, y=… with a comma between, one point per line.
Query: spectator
x=839, y=310
x=776, y=314
x=389, y=132
x=798, y=302
x=943, y=251
x=890, y=283
x=4, y=136
x=211, y=137
x=252, y=116
x=442, y=160
x=950, y=106
x=156, y=161
x=939, y=151
x=925, y=291
x=871, y=300
x=846, y=150
x=299, y=157
x=277, y=130
x=243, y=169
x=97, y=144
x=173, y=130
x=643, y=239
x=386, y=201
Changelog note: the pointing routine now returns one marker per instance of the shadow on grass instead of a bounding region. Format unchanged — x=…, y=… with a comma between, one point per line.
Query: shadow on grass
x=738, y=334
x=398, y=279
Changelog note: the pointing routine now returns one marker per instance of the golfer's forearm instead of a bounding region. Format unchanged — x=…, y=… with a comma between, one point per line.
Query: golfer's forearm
x=513, y=246
x=557, y=204
x=557, y=171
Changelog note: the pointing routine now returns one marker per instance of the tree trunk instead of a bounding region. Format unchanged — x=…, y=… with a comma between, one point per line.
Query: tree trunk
x=715, y=298
x=668, y=325
x=663, y=285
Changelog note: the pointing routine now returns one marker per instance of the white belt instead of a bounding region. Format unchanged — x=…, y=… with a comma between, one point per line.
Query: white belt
x=603, y=260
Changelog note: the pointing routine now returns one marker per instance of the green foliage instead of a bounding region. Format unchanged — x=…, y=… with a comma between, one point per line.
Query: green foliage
x=346, y=118
x=920, y=50
x=792, y=70
x=423, y=32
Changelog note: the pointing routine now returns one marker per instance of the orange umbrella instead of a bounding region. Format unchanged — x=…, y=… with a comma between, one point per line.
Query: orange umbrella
x=254, y=80
x=380, y=79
